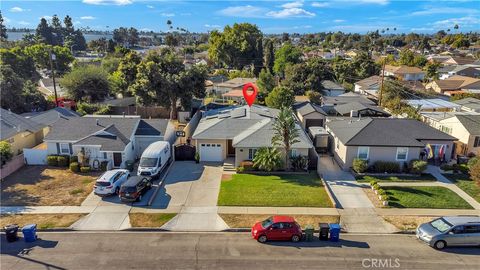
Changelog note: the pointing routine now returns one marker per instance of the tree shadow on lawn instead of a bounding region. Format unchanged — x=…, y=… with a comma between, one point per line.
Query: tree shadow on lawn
x=310, y=180
x=395, y=202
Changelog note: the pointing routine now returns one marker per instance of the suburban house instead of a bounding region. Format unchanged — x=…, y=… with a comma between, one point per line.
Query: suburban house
x=455, y=84
x=469, y=104
x=357, y=109
x=369, y=86
x=459, y=60
x=345, y=98
x=433, y=105
x=331, y=88
x=107, y=137
x=466, y=128
x=404, y=73
x=232, y=85
x=238, y=132
x=465, y=70
x=19, y=131
x=385, y=139
x=309, y=114
x=50, y=117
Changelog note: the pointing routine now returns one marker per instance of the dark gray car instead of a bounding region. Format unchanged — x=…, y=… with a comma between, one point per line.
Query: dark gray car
x=451, y=231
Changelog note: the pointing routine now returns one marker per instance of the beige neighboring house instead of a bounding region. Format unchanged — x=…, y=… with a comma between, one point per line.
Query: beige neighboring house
x=233, y=84
x=369, y=86
x=384, y=139
x=19, y=131
x=404, y=73
x=466, y=128
x=455, y=84
x=238, y=132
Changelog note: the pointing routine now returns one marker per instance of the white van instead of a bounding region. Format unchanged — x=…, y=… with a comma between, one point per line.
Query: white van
x=154, y=159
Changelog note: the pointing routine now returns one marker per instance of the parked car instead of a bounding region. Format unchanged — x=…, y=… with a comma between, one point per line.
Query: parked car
x=134, y=188
x=154, y=159
x=451, y=231
x=109, y=183
x=277, y=228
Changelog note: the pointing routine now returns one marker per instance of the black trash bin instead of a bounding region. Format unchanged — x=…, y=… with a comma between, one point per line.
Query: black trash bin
x=323, y=234
x=11, y=232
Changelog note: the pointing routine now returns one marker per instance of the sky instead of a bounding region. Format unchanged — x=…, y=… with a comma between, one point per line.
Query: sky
x=352, y=16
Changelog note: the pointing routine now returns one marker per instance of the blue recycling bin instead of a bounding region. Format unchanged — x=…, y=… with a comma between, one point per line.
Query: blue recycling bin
x=334, y=232
x=30, y=232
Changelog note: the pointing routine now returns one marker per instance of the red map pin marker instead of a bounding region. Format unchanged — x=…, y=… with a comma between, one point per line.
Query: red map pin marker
x=250, y=96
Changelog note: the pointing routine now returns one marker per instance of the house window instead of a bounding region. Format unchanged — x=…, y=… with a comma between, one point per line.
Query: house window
x=293, y=153
x=104, y=155
x=402, y=153
x=251, y=153
x=476, y=143
x=64, y=148
x=363, y=152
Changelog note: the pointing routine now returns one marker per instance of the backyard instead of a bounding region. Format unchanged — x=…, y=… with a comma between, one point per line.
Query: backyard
x=425, y=197
x=464, y=182
x=42, y=185
x=387, y=178
x=294, y=190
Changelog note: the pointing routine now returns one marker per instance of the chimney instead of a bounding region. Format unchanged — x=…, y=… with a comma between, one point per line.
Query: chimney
x=97, y=122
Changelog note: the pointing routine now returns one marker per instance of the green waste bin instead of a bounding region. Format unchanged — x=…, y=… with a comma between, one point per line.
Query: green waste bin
x=309, y=233
x=129, y=165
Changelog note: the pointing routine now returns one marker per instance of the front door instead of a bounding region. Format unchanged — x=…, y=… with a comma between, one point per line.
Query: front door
x=117, y=159
x=230, y=149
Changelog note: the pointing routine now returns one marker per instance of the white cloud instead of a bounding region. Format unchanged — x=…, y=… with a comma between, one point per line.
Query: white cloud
x=23, y=23
x=338, y=20
x=247, y=11
x=444, y=10
x=320, y=4
x=146, y=29
x=378, y=2
x=108, y=2
x=6, y=20
x=46, y=17
x=168, y=14
x=150, y=6
x=212, y=26
x=18, y=9
x=185, y=14
x=466, y=22
x=87, y=18
x=296, y=4
x=290, y=12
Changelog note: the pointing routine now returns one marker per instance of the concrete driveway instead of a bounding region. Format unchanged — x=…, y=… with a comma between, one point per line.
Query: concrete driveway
x=191, y=189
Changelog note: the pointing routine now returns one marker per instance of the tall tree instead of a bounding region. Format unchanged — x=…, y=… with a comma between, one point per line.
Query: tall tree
x=44, y=31
x=41, y=55
x=11, y=94
x=286, y=55
x=285, y=132
x=237, y=46
x=127, y=69
x=162, y=79
x=268, y=55
x=265, y=82
x=3, y=29
x=21, y=63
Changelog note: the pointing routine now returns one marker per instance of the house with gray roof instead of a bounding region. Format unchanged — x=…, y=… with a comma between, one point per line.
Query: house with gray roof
x=469, y=104
x=466, y=128
x=238, y=131
x=19, y=131
x=357, y=109
x=310, y=114
x=50, y=117
x=386, y=139
x=331, y=88
x=110, y=138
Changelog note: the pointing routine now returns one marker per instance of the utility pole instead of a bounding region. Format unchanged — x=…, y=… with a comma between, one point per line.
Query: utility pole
x=53, y=57
x=381, y=83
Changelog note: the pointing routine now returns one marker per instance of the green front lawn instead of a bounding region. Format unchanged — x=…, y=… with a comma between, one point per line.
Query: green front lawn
x=464, y=182
x=387, y=178
x=296, y=190
x=425, y=197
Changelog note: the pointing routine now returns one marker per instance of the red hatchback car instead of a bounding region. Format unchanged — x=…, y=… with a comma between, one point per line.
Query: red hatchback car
x=277, y=228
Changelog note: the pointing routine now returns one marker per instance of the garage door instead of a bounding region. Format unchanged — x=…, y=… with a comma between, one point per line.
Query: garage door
x=211, y=152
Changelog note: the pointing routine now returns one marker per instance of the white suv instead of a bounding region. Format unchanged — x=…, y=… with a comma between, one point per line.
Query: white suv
x=109, y=183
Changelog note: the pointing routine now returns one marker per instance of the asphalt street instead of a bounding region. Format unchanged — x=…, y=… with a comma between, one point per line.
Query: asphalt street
x=167, y=250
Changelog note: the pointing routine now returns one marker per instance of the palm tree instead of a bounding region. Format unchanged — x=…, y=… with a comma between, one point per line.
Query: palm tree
x=285, y=132
x=267, y=159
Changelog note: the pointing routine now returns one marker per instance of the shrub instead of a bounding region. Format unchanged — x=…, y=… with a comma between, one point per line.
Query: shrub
x=475, y=172
x=376, y=186
x=299, y=163
x=381, y=191
x=373, y=183
x=197, y=156
x=74, y=167
x=417, y=166
x=62, y=161
x=267, y=159
x=360, y=165
x=472, y=162
x=6, y=152
x=461, y=167
x=446, y=167
x=240, y=169
x=103, y=165
x=52, y=160
x=73, y=159
x=386, y=167
x=385, y=197
x=85, y=169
